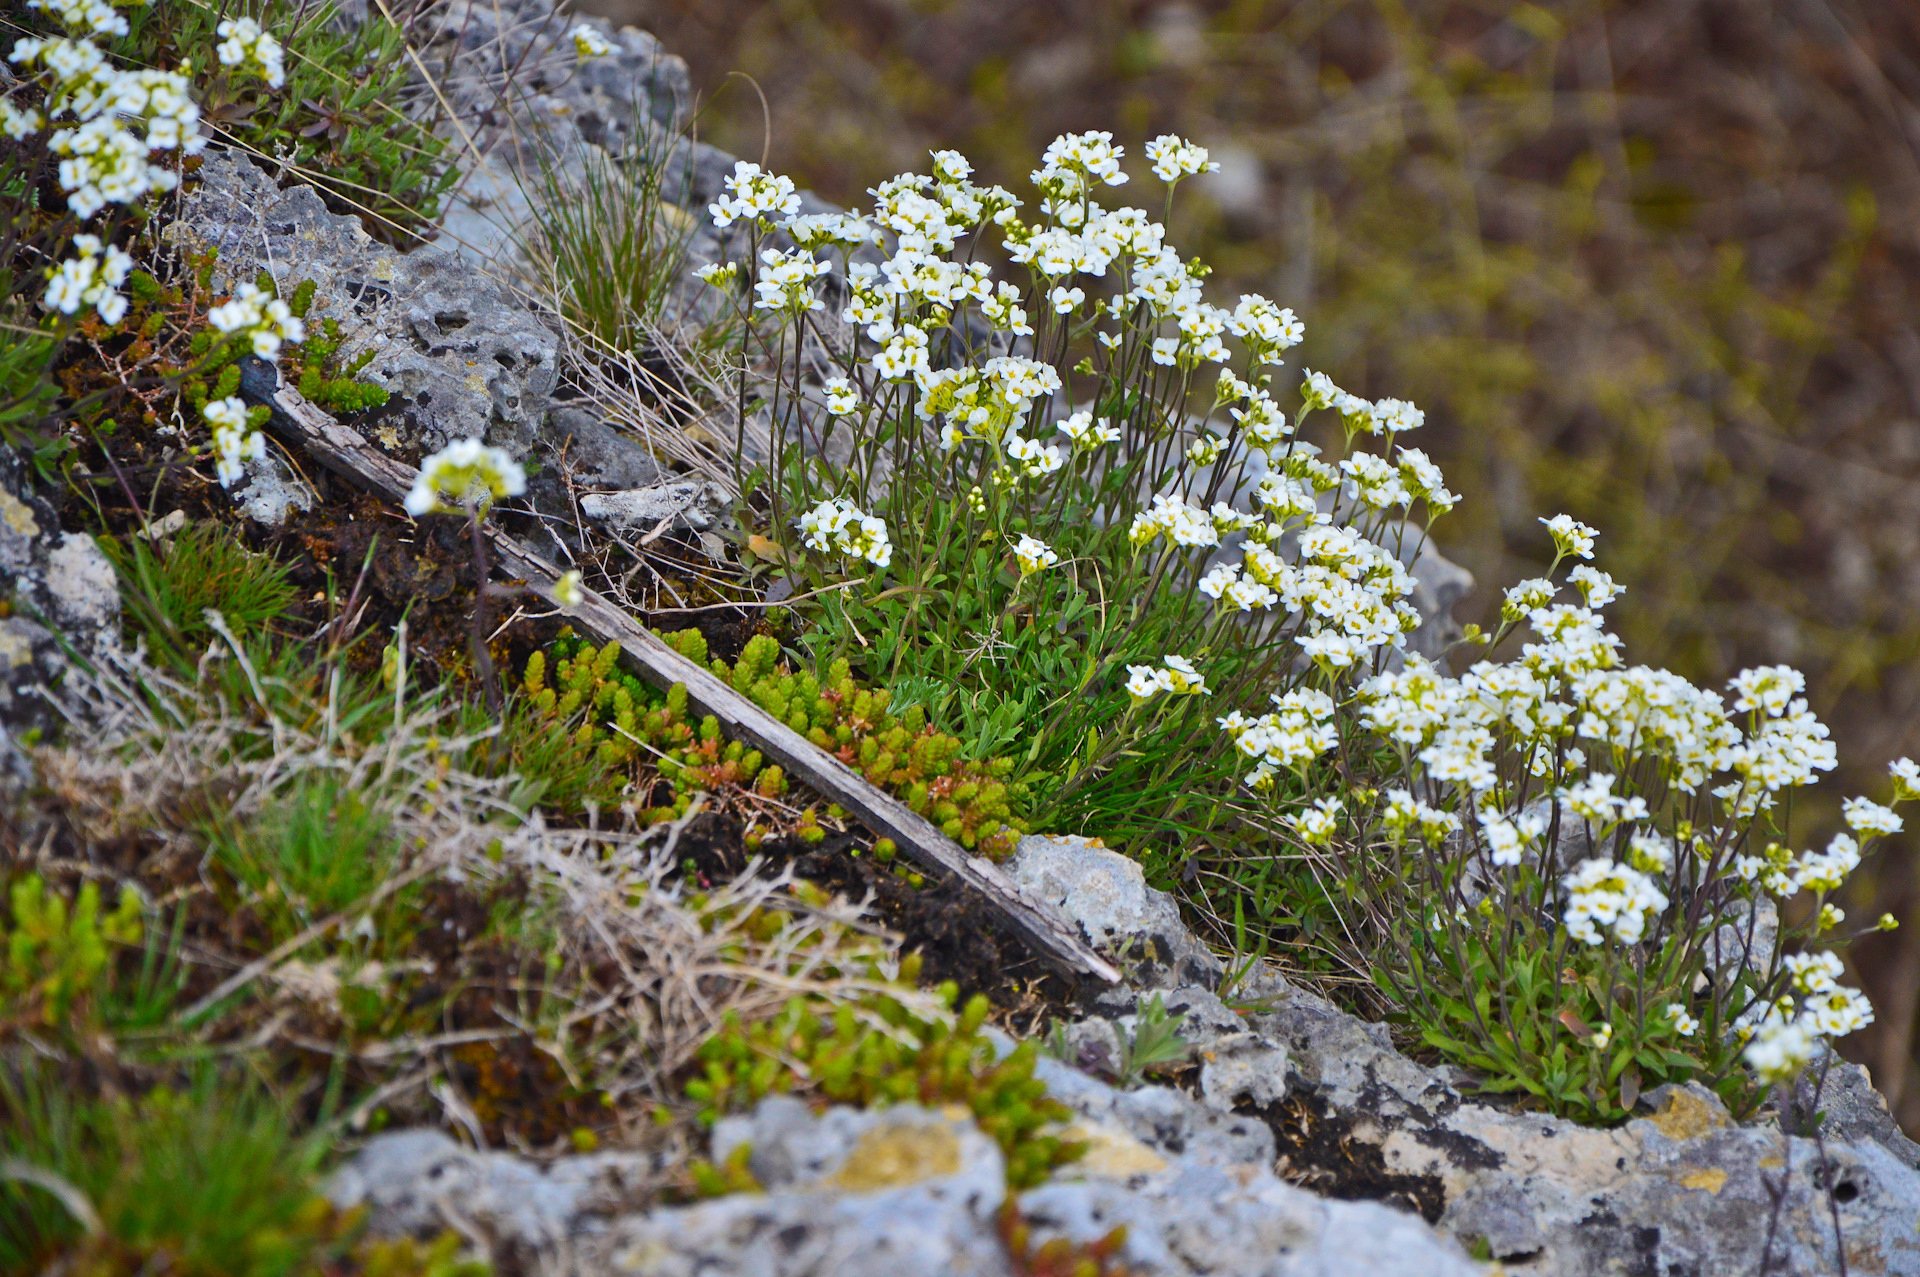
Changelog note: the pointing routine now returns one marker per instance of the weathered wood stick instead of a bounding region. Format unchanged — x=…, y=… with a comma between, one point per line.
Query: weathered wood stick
x=1055, y=939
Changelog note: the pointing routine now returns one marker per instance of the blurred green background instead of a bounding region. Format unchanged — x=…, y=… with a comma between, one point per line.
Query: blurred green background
x=1654, y=264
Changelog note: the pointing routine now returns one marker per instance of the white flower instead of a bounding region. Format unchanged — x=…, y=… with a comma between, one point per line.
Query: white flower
x=719, y=274
x=1526, y=597
x=1065, y=300
x=1769, y=688
x=1040, y=459
x=786, y=281
x=263, y=318
x=84, y=17
x=1266, y=328
x=1180, y=677
x=1603, y=894
x=92, y=277
x=1780, y=1050
x=1033, y=555
x=464, y=474
x=1217, y=579
x=1595, y=586
x=1570, y=536
x=1143, y=683
x=1838, y=1011
x=1815, y=972
x=1683, y=1024
x=843, y=396
x=235, y=441
x=567, y=592
x=1318, y=823
x=1827, y=870
x=1250, y=596
x=837, y=526
x=1319, y=391
x=1174, y=158
x=754, y=193
x=1393, y=416
x=1602, y=1036
x=1506, y=839
x=244, y=45
x=588, y=42
x=19, y=123
x=1073, y=162
x=1869, y=818
x=1906, y=779
x=951, y=166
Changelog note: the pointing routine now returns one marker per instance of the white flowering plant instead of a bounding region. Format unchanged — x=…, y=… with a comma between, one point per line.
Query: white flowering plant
x=1101, y=511
x=1578, y=870
x=1081, y=502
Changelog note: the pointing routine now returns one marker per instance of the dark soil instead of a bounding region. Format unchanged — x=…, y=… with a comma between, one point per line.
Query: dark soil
x=1317, y=1151
x=958, y=937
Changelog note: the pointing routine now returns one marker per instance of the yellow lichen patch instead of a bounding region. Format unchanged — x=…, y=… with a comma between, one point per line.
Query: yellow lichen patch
x=1709, y=1179
x=1113, y=1153
x=896, y=1156
x=1687, y=1116
x=14, y=650
x=16, y=515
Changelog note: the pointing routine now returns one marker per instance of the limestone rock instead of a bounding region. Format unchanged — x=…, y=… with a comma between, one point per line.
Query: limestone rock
x=460, y=356
x=598, y=454
x=1684, y=1189
x=57, y=592
x=852, y=1194
x=420, y=1183
x=1201, y=1218
x=1107, y=895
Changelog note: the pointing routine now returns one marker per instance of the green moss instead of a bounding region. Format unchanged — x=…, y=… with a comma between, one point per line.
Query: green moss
x=879, y=1051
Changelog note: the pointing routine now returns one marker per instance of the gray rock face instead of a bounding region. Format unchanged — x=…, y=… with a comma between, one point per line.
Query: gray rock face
x=55, y=587
x=420, y=1183
x=860, y=1193
x=1107, y=895
x=559, y=106
x=1682, y=1190
x=460, y=356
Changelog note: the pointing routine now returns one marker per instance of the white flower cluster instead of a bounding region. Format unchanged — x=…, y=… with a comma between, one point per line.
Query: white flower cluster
x=92, y=277
x=84, y=17
x=837, y=526
x=249, y=49
x=1175, y=675
x=1603, y=895
x=103, y=160
x=754, y=193
x=1785, y=1034
x=235, y=441
x=1298, y=731
x=465, y=476
x=261, y=317
x=786, y=281
x=1174, y=158
x=1032, y=555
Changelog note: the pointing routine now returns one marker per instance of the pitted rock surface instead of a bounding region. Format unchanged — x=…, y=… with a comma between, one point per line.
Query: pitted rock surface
x=459, y=354
x=60, y=593
x=1107, y=895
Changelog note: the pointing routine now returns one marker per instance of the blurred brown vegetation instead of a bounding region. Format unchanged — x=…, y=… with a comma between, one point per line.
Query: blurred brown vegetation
x=1655, y=264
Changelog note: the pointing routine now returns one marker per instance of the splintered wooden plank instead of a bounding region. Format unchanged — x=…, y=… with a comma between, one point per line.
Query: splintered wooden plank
x=346, y=452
